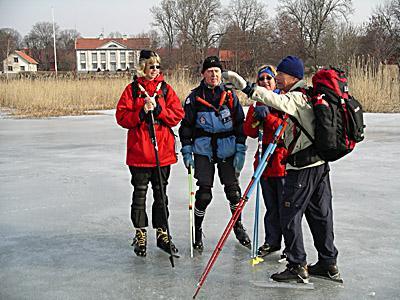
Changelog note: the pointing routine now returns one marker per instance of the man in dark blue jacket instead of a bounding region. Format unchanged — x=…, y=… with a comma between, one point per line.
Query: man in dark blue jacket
x=211, y=134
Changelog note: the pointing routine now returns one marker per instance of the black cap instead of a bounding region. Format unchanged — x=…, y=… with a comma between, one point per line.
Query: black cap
x=210, y=62
x=146, y=54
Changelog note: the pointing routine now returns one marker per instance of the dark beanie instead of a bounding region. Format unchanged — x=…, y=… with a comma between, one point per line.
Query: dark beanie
x=292, y=65
x=146, y=54
x=210, y=62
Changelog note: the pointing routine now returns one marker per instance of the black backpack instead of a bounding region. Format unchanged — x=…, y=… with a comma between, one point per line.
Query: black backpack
x=339, y=122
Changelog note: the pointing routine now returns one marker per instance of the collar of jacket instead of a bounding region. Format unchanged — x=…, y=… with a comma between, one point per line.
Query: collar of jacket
x=218, y=88
x=298, y=85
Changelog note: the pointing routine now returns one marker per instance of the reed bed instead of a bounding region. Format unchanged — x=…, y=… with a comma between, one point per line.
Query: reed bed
x=376, y=86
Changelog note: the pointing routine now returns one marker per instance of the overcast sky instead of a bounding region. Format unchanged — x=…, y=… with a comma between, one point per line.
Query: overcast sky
x=91, y=17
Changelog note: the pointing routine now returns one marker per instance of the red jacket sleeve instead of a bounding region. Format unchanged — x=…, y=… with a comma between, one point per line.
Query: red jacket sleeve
x=248, y=128
x=272, y=122
x=127, y=114
x=171, y=109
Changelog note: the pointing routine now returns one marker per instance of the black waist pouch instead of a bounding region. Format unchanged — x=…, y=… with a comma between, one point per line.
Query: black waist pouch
x=303, y=157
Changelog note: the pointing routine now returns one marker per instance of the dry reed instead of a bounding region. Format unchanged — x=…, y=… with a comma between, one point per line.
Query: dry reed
x=375, y=85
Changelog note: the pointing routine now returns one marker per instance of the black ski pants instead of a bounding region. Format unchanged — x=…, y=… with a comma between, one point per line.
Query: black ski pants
x=140, y=180
x=204, y=171
x=308, y=191
x=272, y=190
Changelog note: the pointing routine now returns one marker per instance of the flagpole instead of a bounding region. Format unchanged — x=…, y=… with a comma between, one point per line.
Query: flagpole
x=54, y=42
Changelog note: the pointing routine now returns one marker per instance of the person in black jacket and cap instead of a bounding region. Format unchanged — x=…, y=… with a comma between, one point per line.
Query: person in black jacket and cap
x=211, y=134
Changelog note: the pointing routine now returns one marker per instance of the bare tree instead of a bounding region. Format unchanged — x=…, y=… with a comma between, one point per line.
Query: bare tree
x=163, y=16
x=115, y=34
x=196, y=22
x=382, y=33
x=10, y=39
x=312, y=18
x=66, y=49
x=247, y=15
x=40, y=42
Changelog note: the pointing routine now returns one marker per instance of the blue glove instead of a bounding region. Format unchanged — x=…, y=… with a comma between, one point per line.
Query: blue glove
x=187, y=153
x=238, y=160
x=260, y=112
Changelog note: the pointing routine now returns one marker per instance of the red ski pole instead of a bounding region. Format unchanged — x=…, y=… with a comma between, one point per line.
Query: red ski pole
x=250, y=187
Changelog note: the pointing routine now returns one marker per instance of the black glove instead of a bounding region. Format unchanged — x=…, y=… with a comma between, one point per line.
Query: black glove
x=260, y=112
x=249, y=89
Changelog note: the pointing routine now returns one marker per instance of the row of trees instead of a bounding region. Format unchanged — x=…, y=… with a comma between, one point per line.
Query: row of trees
x=39, y=42
x=319, y=31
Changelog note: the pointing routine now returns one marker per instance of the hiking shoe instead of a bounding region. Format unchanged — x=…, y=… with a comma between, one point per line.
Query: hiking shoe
x=267, y=249
x=296, y=273
x=241, y=235
x=140, y=242
x=326, y=271
x=163, y=241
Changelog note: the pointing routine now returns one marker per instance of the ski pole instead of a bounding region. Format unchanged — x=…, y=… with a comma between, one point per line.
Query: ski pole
x=250, y=187
x=255, y=259
x=154, y=141
x=153, y=137
x=191, y=217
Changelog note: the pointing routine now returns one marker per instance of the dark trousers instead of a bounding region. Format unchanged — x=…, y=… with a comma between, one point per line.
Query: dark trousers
x=140, y=180
x=204, y=173
x=308, y=191
x=272, y=190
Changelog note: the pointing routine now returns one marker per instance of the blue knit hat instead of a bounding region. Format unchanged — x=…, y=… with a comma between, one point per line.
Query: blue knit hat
x=292, y=65
x=267, y=70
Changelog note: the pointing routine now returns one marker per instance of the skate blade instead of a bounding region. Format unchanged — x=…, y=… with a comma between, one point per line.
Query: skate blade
x=335, y=278
x=256, y=260
x=283, y=285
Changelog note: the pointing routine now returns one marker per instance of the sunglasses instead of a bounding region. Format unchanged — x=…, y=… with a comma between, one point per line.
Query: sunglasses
x=154, y=67
x=262, y=78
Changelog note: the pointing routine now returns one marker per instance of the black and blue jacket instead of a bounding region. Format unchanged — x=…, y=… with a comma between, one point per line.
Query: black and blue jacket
x=211, y=128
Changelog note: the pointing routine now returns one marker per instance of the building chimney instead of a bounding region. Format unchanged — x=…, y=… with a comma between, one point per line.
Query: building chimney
x=101, y=36
x=124, y=37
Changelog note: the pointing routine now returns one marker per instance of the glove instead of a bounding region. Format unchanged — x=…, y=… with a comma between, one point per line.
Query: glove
x=260, y=112
x=187, y=152
x=238, y=82
x=150, y=100
x=147, y=107
x=238, y=160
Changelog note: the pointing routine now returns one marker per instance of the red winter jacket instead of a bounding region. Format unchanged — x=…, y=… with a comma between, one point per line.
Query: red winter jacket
x=271, y=123
x=130, y=115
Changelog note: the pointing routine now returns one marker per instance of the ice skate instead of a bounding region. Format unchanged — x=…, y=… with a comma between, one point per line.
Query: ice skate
x=198, y=239
x=241, y=235
x=327, y=272
x=266, y=249
x=292, y=273
x=140, y=242
x=163, y=242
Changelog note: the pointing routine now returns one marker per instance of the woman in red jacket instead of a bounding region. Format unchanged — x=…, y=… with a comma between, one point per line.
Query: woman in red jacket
x=149, y=92
x=273, y=178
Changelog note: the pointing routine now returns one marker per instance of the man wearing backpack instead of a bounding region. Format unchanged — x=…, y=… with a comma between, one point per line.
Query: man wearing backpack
x=307, y=189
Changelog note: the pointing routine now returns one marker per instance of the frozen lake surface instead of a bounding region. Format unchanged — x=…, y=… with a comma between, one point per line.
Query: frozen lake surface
x=65, y=229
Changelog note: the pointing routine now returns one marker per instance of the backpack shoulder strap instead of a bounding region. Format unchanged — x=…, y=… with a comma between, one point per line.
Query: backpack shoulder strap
x=135, y=87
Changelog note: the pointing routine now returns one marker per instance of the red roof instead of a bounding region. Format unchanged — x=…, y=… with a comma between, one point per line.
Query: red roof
x=26, y=57
x=94, y=43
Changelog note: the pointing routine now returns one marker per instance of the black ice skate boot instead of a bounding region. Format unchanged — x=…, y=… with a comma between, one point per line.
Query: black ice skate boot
x=163, y=242
x=296, y=273
x=198, y=239
x=267, y=249
x=241, y=235
x=140, y=242
x=325, y=271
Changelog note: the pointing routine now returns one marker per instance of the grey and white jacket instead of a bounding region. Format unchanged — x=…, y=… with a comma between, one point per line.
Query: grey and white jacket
x=295, y=104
